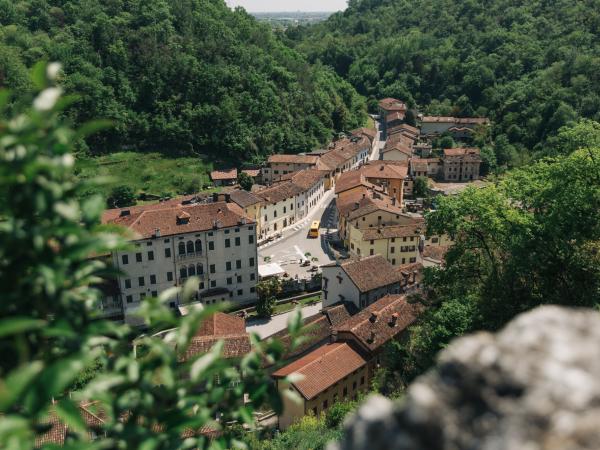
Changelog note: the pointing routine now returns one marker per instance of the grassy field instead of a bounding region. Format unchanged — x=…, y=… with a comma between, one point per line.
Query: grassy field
x=150, y=173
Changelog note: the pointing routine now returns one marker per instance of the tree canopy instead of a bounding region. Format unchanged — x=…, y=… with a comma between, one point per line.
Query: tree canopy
x=185, y=77
x=532, y=67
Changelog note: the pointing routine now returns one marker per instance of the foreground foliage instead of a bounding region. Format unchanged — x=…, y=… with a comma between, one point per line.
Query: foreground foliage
x=58, y=352
x=183, y=78
x=532, y=239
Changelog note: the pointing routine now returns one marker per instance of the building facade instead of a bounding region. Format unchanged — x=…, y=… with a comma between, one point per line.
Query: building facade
x=215, y=242
x=461, y=164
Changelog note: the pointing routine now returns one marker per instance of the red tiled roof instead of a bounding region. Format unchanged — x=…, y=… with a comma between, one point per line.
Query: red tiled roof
x=392, y=231
x=93, y=416
x=370, y=273
x=370, y=205
x=369, y=132
x=382, y=169
x=243, y=198
x=392, y=104
x=252, y=172
x=393, y=116
x=220, y=326
x=279, y=191
x=293, y=159
x=350, y=180
x=461, y=151
x=169, y=220
x=435, y=252
x=381, y=321
x=322, y=368
x=226, y=174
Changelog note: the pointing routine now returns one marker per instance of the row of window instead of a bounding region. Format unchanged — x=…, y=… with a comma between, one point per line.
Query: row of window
x=142, y=295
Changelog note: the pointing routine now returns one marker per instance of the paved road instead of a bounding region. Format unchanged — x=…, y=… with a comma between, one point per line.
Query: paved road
x=266, y=328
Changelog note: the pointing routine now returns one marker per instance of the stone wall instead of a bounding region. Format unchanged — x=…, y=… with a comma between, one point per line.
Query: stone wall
x=533, y=386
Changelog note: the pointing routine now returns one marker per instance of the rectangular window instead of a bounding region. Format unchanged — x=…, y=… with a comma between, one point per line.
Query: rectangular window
x=154, y=294
x=138, y=257
x=152, y=279
x=392, y=249
x=167, y=252
x=251, y=262
x=128, y=284
x=125, y=259
x=226, y=231
x=212, y=268
x=228, y=265
x=169, y=276
x=325, y=404
x=129, y=299
x=253, y=289
x=167, y=241
x=251, y=239
x=362, y=380
x=238, y=264
x=237, y=230
x=371, y=252
x=211, y=245
x=141, y=282
x=227, y=243
x=252, y=277
x=240, y=292
x=239, y=279
x=229, y=280
x=142, y=296
x=150, y=256
x=213, y=283
x=238, y=242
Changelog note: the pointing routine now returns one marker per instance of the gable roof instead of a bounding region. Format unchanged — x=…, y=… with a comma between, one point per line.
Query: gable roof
x=220, y=326
x=225, y=174
x=244, y=198
x=369, y=132
x=381, y=321
x=461, y=151
x=322, y=368
x=370, y=205
x=456, y=120
x=392, y=231
x=392, y=104
x=370, y=272
x=351, y=179
x=293, y=159
x=382, y=169
x=252, y=172
x=168, y=220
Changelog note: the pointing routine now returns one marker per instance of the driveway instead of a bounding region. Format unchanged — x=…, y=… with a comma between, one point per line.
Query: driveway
x=265, y=328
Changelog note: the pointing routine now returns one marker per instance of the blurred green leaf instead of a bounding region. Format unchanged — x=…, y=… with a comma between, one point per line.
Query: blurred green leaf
x=16, y=325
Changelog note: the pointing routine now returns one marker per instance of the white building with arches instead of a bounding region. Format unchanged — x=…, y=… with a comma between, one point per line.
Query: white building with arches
x=171, y=243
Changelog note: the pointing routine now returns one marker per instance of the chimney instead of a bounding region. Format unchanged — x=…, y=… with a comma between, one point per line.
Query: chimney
x=394, y=319
x=334, y=336
x=414, y=278
x=373, y=317
x=125, y=212
x=356, y=205
x=157, y=232
x=394, y=201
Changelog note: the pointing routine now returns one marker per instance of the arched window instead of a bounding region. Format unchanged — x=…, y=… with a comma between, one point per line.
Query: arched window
x=191, y=271
x=190, y=247
x=181, y=248
x=183, y=272
x=198, y=246
x=200, y=269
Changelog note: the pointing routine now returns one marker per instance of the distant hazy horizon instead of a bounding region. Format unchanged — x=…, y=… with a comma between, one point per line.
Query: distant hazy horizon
x=290, y=5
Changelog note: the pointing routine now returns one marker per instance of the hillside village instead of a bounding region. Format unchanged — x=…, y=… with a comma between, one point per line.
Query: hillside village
x=371, y=287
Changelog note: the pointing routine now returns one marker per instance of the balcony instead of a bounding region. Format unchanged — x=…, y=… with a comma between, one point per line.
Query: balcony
x=189, y=256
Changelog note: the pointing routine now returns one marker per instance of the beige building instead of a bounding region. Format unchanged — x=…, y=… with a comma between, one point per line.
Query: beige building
x=399, y=244
x=289, y=200
x=279, y=165
x=432, y=126
x=461, y=164
x=171, y=242
x=359, y=281
x=331, y=373
x=425, y=167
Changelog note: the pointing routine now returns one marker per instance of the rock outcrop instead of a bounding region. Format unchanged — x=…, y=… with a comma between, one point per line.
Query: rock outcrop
x=533, y=386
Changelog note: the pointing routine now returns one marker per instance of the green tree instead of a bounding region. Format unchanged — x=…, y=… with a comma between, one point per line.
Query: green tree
x=52, y=337
x=121, y=196
x=245, y=181
x=421, y=187
x=267, y=294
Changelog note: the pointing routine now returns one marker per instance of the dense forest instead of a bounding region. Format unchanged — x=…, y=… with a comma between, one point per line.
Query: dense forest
x=532, y=66
x=181, y=77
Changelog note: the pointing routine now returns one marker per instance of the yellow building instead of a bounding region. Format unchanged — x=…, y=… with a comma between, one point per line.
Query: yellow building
x=399, y=244
x=331, y=373
x=249, y=202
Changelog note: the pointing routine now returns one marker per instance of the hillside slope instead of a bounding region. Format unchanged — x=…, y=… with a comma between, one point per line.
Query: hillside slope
x=531, y=66
x=179, y=77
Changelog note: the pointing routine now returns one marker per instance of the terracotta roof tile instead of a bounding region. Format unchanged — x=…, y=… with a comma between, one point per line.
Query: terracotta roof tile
x=226, y=174
x=323, y=368
x=370, y=273
x=392, y=231
x=293, y=159
x=381, y=169
x=456, y=120
x=370, y=205
x=381, y=321
x=252, y=172
x=244, y=198
x=169, y=220
x=392, y=104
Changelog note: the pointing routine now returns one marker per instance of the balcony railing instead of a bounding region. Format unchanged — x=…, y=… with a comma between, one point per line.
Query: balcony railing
x=188, y=256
